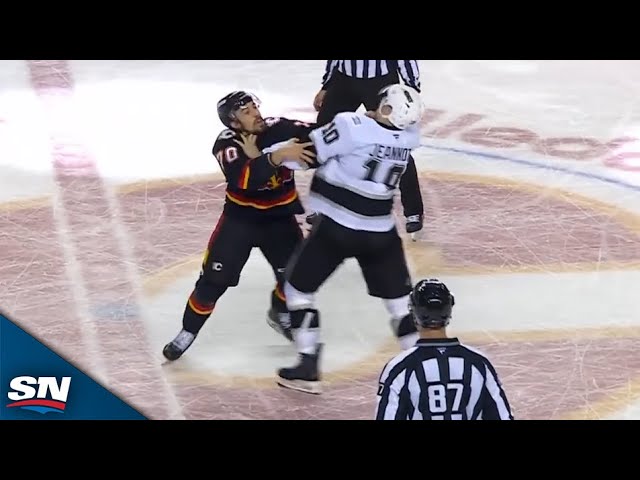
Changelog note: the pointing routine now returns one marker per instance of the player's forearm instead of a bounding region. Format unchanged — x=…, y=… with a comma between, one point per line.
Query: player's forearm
x=410, y=193
x=256, y=172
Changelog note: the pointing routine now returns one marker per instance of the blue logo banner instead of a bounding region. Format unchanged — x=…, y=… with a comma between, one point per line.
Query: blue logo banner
x=38, y=384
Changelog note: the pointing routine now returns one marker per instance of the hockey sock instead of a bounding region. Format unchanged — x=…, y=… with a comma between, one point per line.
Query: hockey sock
x=306, y=329
x=196, y=314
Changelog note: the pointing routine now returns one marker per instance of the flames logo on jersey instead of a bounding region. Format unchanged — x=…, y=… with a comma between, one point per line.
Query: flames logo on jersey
x=276, y=180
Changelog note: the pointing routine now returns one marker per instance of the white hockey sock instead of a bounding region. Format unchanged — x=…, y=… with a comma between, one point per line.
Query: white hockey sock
x=307, y=334
x=307, y=340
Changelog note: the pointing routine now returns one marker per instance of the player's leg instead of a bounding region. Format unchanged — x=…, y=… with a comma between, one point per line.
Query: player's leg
x=227, y=252
x=384, y=268
x=318, y=257
x=280, y=240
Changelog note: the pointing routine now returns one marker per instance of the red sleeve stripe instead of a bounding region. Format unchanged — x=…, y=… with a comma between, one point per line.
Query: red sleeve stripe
x=243, y=182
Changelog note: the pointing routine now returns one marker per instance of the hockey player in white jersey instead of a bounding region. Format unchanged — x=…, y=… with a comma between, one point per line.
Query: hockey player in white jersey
x=362, y=158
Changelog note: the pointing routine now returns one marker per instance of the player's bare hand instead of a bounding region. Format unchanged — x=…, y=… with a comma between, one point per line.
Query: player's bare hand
x=248, y=144
x=319, y=99
x=294, y=151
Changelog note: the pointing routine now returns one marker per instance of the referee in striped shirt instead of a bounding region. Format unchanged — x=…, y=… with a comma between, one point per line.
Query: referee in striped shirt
x=347, y=84
x=439, y=378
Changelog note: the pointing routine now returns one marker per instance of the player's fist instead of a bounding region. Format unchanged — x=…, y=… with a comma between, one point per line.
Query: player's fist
x=294, y=151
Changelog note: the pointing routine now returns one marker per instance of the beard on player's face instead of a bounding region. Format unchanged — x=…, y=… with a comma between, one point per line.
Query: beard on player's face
x=258, y=125
x=250, y=118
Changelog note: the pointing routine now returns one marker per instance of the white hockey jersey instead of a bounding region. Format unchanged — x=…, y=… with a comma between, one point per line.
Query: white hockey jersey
x=361, y=163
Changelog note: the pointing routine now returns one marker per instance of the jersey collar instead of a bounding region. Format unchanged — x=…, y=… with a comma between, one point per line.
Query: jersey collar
x=438, y=342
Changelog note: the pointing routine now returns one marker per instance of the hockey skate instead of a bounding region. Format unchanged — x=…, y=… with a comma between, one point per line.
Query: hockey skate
x=176, y=347
x=280, y=322
x=311, y=218
x=304, y=377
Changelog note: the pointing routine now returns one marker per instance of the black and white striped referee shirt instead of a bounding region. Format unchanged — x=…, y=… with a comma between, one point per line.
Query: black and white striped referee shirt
x=441, y=379
x=408, y=69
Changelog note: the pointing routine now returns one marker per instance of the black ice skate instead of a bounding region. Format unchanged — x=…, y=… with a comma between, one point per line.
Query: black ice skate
x=280, y=322
x=311, y=218
x=174, y=349
x=304, y=377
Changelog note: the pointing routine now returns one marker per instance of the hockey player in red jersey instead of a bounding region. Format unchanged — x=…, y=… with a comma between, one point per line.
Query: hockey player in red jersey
x=259, y=211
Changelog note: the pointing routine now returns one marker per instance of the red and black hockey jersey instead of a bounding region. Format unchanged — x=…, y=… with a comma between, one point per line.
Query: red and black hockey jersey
x=256, y=188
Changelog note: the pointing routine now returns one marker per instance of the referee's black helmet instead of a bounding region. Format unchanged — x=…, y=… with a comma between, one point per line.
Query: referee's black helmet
x=431, y=304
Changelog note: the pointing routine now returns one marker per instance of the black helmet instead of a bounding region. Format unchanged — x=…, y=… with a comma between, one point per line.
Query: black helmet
x=431, y=304
x=231, y=102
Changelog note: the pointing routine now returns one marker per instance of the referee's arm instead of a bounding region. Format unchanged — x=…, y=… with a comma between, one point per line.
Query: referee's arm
x=328, y=73
x=391, y=404
x=410, y=73
x=495, y=405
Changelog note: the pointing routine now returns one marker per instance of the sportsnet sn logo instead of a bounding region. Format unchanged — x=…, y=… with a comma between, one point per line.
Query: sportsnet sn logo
x=42, y=394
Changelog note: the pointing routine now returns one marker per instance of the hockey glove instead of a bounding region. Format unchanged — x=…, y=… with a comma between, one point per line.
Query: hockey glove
x=414, y=223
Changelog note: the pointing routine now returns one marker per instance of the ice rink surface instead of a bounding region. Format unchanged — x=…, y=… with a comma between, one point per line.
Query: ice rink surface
x=530, y=172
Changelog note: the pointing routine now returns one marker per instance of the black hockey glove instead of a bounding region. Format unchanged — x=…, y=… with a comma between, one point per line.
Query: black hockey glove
x=414, y=223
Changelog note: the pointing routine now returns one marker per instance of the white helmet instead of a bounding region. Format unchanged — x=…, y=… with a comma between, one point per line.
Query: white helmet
x=406, y=105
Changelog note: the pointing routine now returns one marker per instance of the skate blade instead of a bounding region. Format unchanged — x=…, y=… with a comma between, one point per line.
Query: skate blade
x=314, y=388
